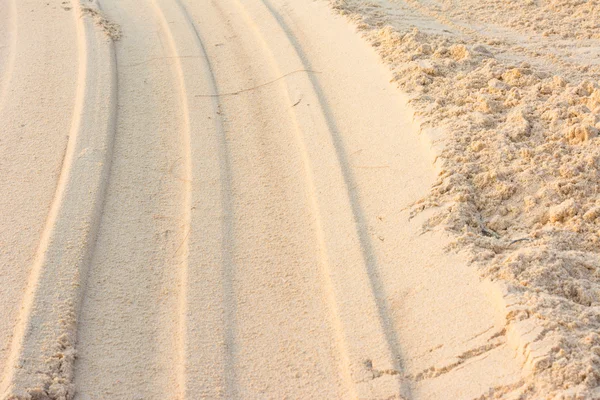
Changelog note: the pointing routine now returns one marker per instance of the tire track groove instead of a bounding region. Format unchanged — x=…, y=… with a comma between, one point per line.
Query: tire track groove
x=42, y=352
x=207, y=275
x=341, y=229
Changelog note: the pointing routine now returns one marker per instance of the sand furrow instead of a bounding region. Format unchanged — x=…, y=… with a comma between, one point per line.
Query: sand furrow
x=40, y=362
x=282, y=344
x=206, y=278
x=183, y=249
x=130, y=321
x=36, y=120
x=347, y=257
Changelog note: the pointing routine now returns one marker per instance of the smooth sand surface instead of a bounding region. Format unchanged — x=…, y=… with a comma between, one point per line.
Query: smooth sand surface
x=207, y=199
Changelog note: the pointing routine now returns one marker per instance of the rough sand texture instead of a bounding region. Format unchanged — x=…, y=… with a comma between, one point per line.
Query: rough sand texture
x=212, y=199
x=508, y=94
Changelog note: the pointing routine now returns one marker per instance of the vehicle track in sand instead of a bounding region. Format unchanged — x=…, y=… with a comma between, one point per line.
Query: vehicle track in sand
x=165, y=149
x=41, y=353
x=263, y=204
x=213, y=231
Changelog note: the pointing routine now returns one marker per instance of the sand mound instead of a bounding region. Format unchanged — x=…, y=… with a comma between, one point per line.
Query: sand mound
x=519, y=165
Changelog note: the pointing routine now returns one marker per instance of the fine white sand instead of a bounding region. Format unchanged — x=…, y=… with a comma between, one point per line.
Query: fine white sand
x=224, y=199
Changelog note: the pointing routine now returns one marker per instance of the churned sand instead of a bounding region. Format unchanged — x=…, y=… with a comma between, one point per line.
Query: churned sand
x=232, y=199
x=508, y=94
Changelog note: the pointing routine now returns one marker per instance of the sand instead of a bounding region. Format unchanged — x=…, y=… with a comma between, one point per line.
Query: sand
x=506, y=93
x=232, y=199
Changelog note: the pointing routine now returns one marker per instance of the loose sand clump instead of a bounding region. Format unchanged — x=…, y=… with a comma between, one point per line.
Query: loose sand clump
x=519, y=174
x=112, y=30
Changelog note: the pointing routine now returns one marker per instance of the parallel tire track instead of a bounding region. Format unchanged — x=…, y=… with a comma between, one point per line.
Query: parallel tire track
x=43, y=347
x=206, y=260
x=365, y=338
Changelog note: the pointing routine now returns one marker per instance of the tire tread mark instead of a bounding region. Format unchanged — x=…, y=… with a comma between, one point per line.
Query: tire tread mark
x=366, y=339
x=207, y=276
x=42, y=351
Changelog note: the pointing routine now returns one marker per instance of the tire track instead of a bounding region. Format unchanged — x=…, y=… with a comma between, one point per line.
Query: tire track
x=183, y=250
x=365, y=333
x=167, y=207
x=42, y=351
x=222, y=247
x=284, y=344
x=207, y=276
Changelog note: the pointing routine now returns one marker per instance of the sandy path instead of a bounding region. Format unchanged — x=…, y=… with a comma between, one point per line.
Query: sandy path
x=228, y=222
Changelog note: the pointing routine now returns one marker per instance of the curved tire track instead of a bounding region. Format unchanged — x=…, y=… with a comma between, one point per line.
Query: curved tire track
x=42, y=352
x=209, y=236
x=365, y=335
x=206, y=276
